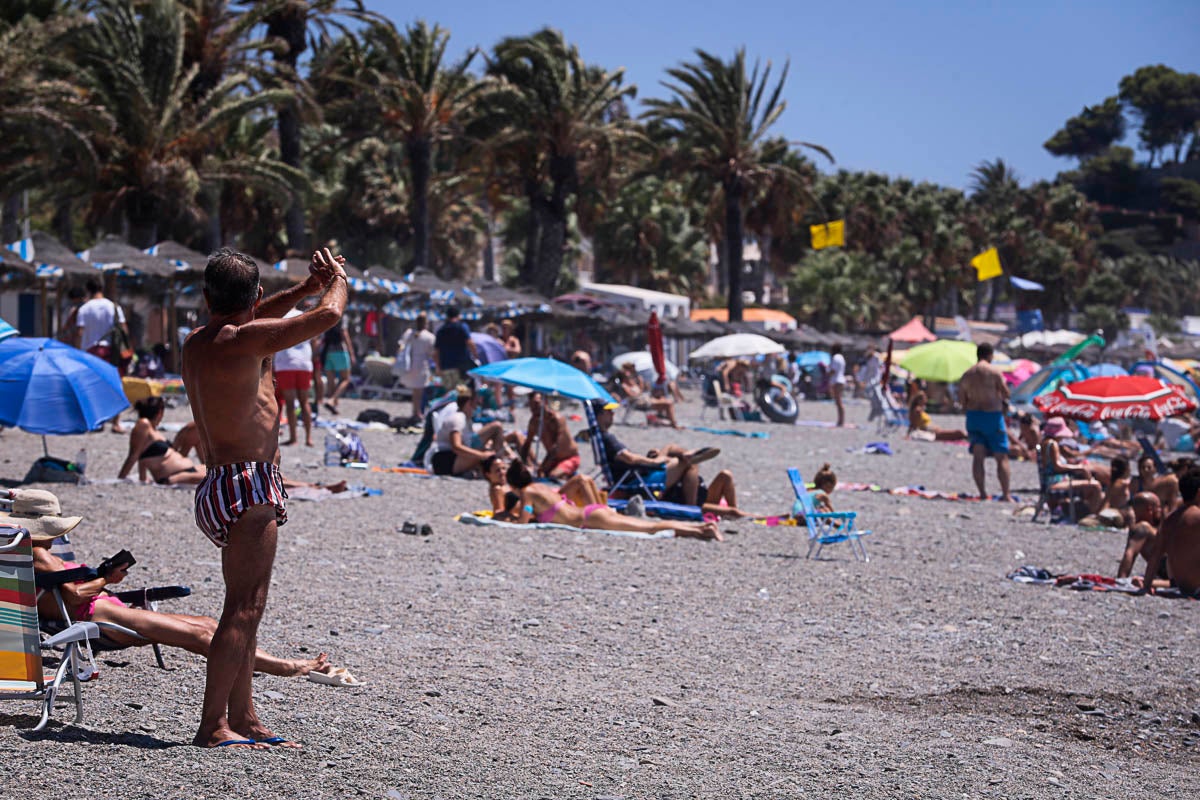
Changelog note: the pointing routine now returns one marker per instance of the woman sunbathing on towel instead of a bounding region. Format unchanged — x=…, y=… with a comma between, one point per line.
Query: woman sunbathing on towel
x=579, y=489
x=542, y=502
x=156, y=457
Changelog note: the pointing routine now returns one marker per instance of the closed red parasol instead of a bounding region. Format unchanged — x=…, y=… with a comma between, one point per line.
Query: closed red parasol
x=654, y=343
x=1116, y=397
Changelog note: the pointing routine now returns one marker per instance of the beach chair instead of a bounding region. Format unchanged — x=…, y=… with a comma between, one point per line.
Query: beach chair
x=715, y=397
x=21, y=669
x=379, y=381
x=1049, y=494
x=631, y=481
x=147, y=598
x=885, y=410
x=826, y=527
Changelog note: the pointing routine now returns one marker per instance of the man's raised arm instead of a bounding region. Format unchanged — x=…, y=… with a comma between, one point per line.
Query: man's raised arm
x=270, y=335
x=280, y=303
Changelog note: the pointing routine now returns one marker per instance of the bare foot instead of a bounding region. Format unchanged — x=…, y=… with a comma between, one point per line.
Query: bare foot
x=226, y=734
x=336, y=488
x=707, y=531
x=308, y=443
x=289, y=443
x=300, y=668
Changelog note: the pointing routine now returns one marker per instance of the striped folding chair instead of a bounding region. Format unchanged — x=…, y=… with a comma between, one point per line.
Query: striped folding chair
x=21, y=675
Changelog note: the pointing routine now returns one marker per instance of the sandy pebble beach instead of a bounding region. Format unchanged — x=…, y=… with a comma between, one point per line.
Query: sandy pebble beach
x=535, y=664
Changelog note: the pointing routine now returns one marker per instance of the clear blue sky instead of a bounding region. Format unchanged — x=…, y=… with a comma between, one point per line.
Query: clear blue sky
x=922, y=89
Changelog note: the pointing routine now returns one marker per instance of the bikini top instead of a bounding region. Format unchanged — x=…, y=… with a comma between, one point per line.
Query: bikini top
x=156, y=449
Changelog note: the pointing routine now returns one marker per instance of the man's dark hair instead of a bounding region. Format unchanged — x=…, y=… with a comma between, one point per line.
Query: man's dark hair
x=452, y=313
x=486, y=465
x=984, y=351
x=93, y=286
x=149, y=407
x=1120, y=467
x=1189, y=484
x=230, y=281
x=833, y=351
x=518, y=475
x=75, y=293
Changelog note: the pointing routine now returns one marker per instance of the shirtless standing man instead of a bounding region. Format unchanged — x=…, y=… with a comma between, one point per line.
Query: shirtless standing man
x=984, y=394
x=1178, y=541
x=227, y=373
x=548, y=426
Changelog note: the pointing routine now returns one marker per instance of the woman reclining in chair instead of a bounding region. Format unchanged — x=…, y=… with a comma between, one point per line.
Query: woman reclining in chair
x=542, y=502
x=88, y=600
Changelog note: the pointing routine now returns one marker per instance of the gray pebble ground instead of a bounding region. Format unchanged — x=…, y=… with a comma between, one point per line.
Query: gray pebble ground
x=553, y=665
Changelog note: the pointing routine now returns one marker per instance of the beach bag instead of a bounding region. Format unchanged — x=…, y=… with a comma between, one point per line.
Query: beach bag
x=49, y=469
x=120, y=348
x=367, y=416
x=353, y=449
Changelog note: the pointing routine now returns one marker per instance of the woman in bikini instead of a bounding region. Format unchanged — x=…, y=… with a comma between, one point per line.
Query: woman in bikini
x=153, y=454
x=541, y=502
x=1065, y=474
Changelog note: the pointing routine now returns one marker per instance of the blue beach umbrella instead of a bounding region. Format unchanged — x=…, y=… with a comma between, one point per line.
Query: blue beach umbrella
x=812, y=358
x=1106, y=370
x=48, y=387
x=489, y=347
x=7, y=331
x=544, y=375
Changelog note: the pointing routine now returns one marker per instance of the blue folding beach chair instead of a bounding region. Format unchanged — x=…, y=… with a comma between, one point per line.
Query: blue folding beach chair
x=632, y=481
x=826, y=527
x=885, y=410
x=1051, y=494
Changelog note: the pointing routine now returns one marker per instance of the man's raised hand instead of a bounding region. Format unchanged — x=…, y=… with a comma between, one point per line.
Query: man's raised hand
x=324, y=266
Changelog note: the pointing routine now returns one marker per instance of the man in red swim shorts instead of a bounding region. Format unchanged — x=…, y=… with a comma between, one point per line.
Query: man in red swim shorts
x=548, y=426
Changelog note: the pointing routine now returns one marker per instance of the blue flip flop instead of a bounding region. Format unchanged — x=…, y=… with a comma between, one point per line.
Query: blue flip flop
x=229, y=742
x=275, y=740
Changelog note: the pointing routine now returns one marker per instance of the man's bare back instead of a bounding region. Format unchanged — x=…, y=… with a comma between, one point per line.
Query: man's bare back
x=1179, y=542
x=982, y=388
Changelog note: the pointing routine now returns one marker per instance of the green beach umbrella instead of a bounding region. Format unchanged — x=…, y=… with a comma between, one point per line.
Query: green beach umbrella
x=944, y=360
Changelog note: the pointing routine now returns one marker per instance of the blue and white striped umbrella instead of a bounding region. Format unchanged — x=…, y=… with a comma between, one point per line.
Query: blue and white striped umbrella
x=441, y=295
x=49, y=271
x=23, y=248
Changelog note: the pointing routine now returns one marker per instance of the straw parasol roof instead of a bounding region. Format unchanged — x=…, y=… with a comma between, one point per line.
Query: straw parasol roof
x=48, y=250
x=111, y=250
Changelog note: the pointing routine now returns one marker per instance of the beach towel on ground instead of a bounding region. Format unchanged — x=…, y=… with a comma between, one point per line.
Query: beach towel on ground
x=484, y=519
x=731, y=432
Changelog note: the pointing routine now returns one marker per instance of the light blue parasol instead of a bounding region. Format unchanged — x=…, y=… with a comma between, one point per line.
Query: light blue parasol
x=544, y=375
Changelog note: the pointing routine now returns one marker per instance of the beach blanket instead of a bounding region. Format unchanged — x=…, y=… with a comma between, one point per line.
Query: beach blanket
x=314, y=494
x=660, y=508
x=821, y=423
x=484, y=519
x=731, y=432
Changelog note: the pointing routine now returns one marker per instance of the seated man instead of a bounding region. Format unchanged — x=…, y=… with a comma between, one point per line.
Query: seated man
x=1147, y=516
x=634, y=387
x=673, y=464
x=1177, y=545
x=548, y=426
x=1148, y=480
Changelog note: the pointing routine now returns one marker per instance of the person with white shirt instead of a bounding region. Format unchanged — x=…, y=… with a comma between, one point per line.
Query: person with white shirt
x=293, y=380
x=837, y=381
x=94, y=322
x=416, y=349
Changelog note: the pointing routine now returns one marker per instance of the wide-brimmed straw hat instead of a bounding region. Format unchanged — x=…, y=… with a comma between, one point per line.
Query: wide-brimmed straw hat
x=1056, y=428
x=40, y=513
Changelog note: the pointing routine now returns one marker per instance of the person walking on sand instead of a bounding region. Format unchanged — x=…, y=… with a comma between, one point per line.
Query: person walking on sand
x=240, y=503
x=837, y=382
x=95, y=322
x=984, y=393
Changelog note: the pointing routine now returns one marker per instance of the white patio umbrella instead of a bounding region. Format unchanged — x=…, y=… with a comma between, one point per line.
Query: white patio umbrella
x=738, y=345
x=643, y=362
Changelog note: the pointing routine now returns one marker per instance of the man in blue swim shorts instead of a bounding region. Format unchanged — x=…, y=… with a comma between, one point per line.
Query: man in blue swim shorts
x=984, y=395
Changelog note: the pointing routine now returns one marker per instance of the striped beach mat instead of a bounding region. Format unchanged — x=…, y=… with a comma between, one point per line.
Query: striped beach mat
x=20, y=654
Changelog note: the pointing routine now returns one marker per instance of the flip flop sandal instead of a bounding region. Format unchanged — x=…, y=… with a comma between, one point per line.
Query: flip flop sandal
x=427, y=529
x=409, y=527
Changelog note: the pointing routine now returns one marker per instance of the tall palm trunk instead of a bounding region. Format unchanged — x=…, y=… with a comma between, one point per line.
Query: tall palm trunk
x=419, y=158
x=291, y=25
x=63, y=225
x=141, y=218
x=548, y=266
x=733, y=248
x=533, y=230
x=213, y=234
x=10, y=216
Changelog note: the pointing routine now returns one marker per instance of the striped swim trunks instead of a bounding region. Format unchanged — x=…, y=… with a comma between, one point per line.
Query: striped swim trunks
x=230, y=490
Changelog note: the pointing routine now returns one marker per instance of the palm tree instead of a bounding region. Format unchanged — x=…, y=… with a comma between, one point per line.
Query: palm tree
x=165, y=146
x=288, y=24
x=410, y=94
x=718, y=119
x=552, y=121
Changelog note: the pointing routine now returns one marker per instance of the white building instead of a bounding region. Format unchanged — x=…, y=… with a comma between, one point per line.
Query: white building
x=667, y=305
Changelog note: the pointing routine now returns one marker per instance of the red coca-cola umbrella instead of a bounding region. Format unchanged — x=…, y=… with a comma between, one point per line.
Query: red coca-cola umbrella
x=654, y=343
x=1116, y=397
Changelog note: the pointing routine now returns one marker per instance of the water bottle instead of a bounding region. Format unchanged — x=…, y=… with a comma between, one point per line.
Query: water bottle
x=80, y=462
x=333, y=450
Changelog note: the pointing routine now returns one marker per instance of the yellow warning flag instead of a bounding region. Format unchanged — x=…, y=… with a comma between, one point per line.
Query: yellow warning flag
x=831, y=234
x=987, y=265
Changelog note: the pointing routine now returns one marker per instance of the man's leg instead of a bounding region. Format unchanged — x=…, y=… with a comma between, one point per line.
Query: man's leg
x=306, y=417
x=582, y=491
x=228, y=710
x=289, y=402
x=979, y=454
x=1003, y=473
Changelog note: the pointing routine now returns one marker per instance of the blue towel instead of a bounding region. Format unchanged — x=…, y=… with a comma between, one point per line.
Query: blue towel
x=732, y=432
x=659, y=508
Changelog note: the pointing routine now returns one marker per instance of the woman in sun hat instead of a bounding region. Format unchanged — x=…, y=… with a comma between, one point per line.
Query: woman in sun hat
x=1064, y=474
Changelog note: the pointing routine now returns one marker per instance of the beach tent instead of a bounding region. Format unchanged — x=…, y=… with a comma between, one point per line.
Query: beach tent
x=1045, y=380
x=913, y=331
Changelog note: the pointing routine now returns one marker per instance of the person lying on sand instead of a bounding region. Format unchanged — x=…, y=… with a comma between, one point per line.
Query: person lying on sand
x=543, y=503
x=1146, y=510
x=167, y=466
x=579, y=489
x=1177, y=545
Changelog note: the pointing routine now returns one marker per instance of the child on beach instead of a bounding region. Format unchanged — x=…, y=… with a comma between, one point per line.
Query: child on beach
x=825, y=482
